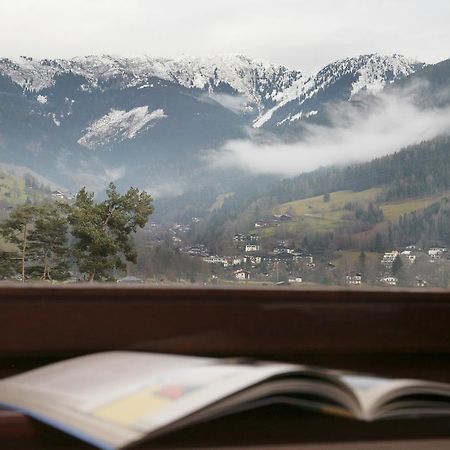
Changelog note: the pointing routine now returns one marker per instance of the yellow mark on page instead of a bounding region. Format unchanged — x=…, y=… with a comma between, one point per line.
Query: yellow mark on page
x=336, y=411
x=131, y=408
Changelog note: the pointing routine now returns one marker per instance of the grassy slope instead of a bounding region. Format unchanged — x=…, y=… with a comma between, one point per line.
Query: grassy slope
x=219, y=201
x=313, y=214
x=12, y=189
x=349, y=259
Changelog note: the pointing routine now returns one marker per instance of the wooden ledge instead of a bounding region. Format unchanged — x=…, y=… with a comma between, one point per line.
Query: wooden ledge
x=49, y=321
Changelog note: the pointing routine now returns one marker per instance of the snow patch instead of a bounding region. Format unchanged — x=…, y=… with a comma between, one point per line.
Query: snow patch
x=42, y=99
x=260, y=83
x=370, y=73
x=55, y=120
x=119, y=125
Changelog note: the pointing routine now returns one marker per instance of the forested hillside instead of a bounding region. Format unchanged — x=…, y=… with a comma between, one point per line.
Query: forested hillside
x=420, y=169
x=396, y=185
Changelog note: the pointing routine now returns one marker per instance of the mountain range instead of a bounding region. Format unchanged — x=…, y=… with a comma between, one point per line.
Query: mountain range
x=153, y=122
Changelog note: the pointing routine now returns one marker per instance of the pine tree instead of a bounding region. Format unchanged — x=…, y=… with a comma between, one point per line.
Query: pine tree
x=40, y=234
x=48, y=242
x=397, y=265
x=102, y=230
x=16, y=231
x=362, y=262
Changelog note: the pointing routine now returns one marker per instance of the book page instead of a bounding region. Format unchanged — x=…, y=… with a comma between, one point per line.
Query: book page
x=372, y=392
x=139, y=392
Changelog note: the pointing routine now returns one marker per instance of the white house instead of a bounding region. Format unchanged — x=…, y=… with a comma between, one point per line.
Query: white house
x=214, y=260
x=242, y=274
x=389, y=258
x=130, y=280
x=231, y=261
x=309, y=259
x=390, y=281
x=58, y=194
x=353, y=279
x=295, y=280
x=436, y=252
x=254, y=259
x=408, y=256
x=420, y=282
x=252, y=248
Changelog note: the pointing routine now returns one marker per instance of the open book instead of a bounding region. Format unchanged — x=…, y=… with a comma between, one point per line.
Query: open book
x=115, y=399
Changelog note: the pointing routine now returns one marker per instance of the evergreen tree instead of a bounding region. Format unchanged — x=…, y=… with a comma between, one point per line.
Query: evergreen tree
x=40, y=234
x=9, y=264
x=378, y=243
x=397, y=265
x=48, y=242
x=362, y=262
x=102, y=230
x=16, y=230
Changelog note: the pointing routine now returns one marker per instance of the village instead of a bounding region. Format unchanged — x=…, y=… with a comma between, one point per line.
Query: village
x=252, y=258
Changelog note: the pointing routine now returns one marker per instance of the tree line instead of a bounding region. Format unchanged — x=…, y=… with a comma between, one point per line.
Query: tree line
x=93, y=238
x=417, y=170
x=421, y=169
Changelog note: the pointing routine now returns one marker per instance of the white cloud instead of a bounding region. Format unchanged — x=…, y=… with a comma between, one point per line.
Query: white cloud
x=96, y=181
x=235, y=103
x=356, y=135
x=169, y=189
x=92, y=174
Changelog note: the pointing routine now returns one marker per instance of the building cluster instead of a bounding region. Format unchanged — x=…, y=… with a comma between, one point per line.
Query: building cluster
x=273, y=221
x=270, y=260
x=437, y=253
x=251, y=261
x=62, y=195
x=180, y=228
x=196, y=250
x=407, y=258
x=353, y=278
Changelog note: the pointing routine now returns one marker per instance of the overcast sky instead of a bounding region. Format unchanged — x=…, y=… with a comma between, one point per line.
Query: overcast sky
x=300, y=34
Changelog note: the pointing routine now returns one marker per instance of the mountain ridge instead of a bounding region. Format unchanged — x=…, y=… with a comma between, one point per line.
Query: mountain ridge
x=366, y=73
x=245, y=75
x=261, y=83
x=152, y=122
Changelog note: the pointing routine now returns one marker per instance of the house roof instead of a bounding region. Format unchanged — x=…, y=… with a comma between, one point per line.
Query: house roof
x=130, y=279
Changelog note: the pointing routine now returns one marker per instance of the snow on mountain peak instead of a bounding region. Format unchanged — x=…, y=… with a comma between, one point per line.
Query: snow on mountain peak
x=118, y=125
x=268, y=87
x=364, y=73
x=30, y=74
x=372, y=72
x=259, y=82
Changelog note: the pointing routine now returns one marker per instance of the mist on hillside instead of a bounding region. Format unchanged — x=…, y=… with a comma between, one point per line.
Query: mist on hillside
x=355, y=132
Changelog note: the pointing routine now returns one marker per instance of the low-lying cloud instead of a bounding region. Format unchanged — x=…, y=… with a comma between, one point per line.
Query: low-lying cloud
x=357, y=133
x=237, y=104
x=92, y=173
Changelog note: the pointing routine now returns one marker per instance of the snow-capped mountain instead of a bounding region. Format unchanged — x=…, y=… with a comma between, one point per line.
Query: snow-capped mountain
x=119, y=125
x=340, y=81
x=151, y=121
x=259, y=83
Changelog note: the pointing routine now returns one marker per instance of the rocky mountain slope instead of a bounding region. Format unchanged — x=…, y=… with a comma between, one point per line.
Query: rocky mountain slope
x=152, y=122
x=340, y=81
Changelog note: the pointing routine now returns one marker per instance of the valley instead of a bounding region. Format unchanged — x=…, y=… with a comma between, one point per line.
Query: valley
x=165, y=125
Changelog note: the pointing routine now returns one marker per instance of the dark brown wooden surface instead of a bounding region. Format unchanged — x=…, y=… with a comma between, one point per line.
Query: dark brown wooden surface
x=271, y=427
x=50, y=321
x=396, y=333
